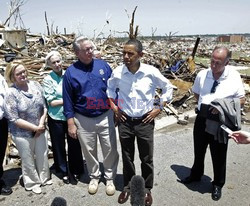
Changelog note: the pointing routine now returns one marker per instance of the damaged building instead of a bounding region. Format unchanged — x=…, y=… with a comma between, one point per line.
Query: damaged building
x=231, y=38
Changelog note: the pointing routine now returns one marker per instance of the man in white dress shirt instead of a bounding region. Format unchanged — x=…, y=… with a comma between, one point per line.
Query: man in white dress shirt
x=216, y=82
x=4, y=190
x=135, y=84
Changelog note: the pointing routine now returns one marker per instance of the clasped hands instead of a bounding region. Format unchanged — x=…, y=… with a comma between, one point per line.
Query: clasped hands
x=39, y=130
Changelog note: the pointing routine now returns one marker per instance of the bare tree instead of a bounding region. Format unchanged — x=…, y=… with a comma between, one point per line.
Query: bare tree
x=47, y=24
x=15, y=14
x=153, y=30
x=107, y=22
x=170, y=35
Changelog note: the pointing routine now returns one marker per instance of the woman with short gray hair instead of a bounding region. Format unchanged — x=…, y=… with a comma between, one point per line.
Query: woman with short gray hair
x=57, y=124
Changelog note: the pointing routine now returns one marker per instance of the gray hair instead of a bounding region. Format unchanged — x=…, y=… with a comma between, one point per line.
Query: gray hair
x=49, y=55
x=80, y=39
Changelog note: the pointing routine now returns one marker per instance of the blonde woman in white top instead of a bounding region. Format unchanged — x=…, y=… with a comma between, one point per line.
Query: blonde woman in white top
x=26, y=111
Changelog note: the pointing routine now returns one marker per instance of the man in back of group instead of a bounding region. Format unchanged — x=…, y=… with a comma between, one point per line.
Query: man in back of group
x=87, y=112
x=216, y=83
x=135, y=112
x=4, y=189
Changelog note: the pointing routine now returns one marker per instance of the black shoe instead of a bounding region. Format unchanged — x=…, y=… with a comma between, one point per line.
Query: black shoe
x=190, y=179
x=5, y=190
x=77, y=177
x=66, y=179
x=216, y=193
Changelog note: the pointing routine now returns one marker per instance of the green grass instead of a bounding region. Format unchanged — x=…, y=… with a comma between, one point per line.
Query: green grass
x=239, y=55
x=202, y=60
x=245, y=71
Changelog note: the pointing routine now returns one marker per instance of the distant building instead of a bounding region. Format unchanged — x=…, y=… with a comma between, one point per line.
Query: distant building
x=231, y=38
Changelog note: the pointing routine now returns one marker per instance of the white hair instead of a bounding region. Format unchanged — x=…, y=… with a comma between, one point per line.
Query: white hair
x=49, y=55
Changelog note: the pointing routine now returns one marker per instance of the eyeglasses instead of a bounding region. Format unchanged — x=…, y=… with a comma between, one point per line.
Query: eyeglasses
x=88, y=49
x=22, y=72
x=213, y=89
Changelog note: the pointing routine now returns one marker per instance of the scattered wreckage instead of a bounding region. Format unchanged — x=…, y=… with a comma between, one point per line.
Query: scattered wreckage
x=174, y=57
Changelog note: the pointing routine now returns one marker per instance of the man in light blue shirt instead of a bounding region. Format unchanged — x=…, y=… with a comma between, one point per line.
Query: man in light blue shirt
x=135, y=112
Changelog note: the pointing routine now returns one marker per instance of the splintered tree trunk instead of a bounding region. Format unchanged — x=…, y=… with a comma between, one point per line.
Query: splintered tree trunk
x=133, y=34
x=46, y=20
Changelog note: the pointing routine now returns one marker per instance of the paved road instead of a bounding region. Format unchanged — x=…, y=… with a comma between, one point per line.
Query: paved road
x=173, y=157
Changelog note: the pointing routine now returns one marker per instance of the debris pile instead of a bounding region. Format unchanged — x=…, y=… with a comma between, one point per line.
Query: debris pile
x=175, y=58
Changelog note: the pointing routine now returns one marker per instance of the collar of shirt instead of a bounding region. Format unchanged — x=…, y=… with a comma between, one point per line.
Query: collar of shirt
x=57, y=77
x=126, y=70
x=223, y=76
x=83, y=66
x=228, y=87
x=136, y=91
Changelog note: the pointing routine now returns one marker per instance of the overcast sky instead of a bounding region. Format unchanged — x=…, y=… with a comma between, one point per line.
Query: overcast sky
x=162, y=16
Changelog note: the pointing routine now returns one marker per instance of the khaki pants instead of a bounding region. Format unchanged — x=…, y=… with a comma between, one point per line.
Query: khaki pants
x=88, y=129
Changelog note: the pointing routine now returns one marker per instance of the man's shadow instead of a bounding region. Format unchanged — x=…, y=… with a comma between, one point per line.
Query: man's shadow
x=204, y=186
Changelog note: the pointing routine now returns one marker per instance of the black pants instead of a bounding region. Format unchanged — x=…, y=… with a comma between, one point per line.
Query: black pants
x=218, y=153
x=3, y=142
x=58, y=131
x=144, y=134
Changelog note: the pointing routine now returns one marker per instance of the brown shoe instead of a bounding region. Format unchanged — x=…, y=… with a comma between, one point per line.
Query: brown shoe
x=123, y=197
x=148, y=199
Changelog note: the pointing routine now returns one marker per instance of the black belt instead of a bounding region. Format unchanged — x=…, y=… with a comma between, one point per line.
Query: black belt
x=134, y=119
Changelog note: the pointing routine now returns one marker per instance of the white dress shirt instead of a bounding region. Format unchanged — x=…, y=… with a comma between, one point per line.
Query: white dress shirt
x=3, y=88
x=230, y=86
x=136, y=92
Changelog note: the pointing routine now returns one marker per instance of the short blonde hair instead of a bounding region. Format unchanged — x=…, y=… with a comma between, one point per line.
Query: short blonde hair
x=9, y=72
x=49, y=55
